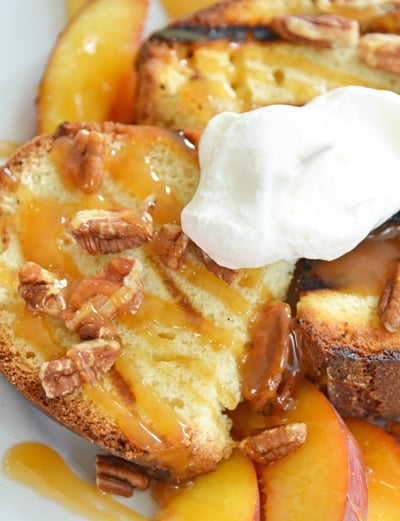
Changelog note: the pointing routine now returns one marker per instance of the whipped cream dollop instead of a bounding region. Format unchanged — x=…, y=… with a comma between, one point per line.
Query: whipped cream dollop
x=286, y=182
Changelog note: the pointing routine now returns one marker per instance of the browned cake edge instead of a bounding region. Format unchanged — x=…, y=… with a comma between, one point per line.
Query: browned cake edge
x=356, y=364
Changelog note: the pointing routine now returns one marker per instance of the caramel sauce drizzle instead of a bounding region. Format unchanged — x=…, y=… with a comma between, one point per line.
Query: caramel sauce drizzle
x=365, y=269
x=178, y=316
x=202, y=277
x=35, y=217
x=206, y=89
x=45, y=472
x=272, y=367
x=36, y=329
x=330, y=76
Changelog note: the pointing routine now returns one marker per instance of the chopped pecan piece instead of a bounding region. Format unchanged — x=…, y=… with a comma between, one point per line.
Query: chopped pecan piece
x=170, y=244
x=389, y=302
x=111, y=231
x=332, y=31
x=42, y=291
x=118, y=476
x=273, y=444
x=84, y=164
x=381, y=51
x=94, y=301
x=87, y=308
x=226, y=274
x=83, y=363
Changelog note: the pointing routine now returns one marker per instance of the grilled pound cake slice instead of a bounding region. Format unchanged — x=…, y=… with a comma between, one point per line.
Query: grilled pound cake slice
x=348, y=316
x=112, y=322
x=243, y=54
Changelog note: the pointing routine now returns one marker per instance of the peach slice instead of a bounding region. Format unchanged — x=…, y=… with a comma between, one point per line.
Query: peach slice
x=231, y=491
x=74, y=5
x=90, y=74
x=323, y=479
x=382, y=457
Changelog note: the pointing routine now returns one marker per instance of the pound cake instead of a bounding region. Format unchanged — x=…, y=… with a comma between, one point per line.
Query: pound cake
x=348, y=316
x=238, y=55
x=112, y=322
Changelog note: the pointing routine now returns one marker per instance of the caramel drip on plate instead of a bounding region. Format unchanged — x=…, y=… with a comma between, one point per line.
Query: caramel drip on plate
x=365, y=269
x=46, y=473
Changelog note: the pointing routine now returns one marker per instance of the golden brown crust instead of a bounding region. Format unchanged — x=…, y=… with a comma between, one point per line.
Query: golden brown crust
x=353, y=359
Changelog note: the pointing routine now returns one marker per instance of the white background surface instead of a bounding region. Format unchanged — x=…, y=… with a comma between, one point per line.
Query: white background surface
x=28, y=29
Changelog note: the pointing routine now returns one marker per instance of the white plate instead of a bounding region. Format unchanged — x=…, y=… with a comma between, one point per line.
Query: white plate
x=28, y=29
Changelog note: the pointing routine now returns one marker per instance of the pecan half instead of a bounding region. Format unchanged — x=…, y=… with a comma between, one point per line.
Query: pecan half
x=110, y=231
x=83, y=363
x=381, y=51
x=85, y=159
x=389, y=302
x=170, y=244
x=273, y=444
x=42, y=291
x=118, y=476
x=332, y=31
x=94, y=301
x=271, y=368
x=226, y=274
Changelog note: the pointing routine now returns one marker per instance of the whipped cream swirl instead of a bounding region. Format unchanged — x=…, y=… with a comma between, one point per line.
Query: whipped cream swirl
x=285, y=182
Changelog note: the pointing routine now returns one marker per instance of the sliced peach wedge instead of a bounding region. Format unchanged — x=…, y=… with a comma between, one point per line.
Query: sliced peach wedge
x=229, y=492
x=90, y=74
x=325, y=478
x=74, y=5
x=382, y=457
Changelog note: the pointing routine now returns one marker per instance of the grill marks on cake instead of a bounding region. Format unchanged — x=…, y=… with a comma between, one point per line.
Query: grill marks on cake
x=198, y=32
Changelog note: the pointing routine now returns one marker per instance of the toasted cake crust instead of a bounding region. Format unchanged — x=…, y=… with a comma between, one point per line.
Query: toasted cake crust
x=355, y=364
x=349, y=352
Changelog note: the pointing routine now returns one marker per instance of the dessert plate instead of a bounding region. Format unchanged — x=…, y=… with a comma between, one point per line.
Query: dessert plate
x=26, y=39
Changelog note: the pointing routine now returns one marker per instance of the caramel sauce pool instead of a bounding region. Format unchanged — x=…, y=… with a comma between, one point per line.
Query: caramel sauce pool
x=365, y=269
x=46, y=473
